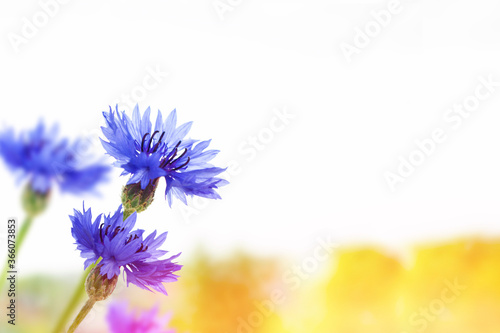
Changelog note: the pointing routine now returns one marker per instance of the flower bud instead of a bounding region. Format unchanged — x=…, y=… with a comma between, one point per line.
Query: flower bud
x=134, y=199
x=99, y=287
x=34, y=202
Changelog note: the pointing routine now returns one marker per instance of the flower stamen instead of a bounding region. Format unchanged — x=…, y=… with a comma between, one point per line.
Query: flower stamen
x=142, y=248
x=183, y=165
x=151, y=139
x=100, y=231
x=171, y=158
x=178, y=158
x=142, y=143
x=117, y=230
x=131, y=238
x=155, y=147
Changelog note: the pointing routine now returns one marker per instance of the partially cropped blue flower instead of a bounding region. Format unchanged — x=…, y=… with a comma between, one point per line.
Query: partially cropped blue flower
x=148, y=152
x=43, y=159
x=121, y=320
x=119, y=246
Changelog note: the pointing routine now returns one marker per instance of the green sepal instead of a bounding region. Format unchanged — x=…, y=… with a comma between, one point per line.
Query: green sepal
x=136, y=200
x=34, y=203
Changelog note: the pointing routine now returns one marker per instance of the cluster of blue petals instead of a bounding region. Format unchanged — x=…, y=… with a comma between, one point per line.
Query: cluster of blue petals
x=148, y=152
x=119, y=246
x=43, y=159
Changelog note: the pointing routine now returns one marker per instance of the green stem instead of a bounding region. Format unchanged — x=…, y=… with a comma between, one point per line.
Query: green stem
x=21, y=235
x=75, y=300
x=23, y=231
x=82, y=314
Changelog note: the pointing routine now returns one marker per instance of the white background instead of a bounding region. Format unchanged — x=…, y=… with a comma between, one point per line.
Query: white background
x=323, y=173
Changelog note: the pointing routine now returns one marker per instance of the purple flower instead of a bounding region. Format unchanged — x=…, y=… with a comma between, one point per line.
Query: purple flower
x=122, y=321
x=40, y=157
x=148, y=153
x=119, y=246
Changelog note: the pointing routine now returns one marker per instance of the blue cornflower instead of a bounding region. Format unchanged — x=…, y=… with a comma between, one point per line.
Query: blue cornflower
x=148, y=153
x=119, y=246
x=43, y=159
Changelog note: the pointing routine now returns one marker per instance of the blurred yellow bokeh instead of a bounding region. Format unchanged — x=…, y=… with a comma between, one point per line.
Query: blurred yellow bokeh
x=452, y=287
